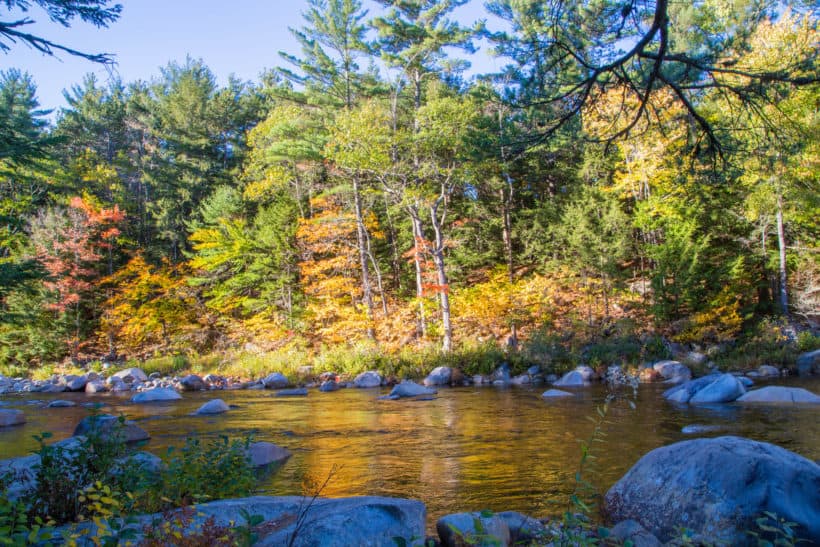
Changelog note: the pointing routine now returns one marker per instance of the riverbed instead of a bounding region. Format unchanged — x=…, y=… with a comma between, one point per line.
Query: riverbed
x=467, y=449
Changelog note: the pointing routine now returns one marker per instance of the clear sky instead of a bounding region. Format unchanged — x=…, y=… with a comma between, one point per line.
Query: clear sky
x=241, y=37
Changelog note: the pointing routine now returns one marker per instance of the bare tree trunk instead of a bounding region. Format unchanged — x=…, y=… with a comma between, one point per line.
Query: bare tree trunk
x=506, y=206
x=443, y=286
x=781, y=244
x=361, y=240
x=418, y=238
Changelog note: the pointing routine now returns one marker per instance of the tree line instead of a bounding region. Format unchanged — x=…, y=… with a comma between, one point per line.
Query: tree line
x=634, y=159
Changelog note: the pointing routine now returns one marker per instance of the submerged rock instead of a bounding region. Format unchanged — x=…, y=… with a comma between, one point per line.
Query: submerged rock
x=550, y=393
x=157, y=394
x=263, y=453
x=11, y=416
x=410, y=389
x=293, y=392
x=214, y=406
x=107, y=426
x=779, y=394
x=717, y=488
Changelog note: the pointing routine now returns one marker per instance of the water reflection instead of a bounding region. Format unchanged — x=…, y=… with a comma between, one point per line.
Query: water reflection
x=470, y=448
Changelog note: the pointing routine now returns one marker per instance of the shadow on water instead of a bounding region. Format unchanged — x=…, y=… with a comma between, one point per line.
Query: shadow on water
x=468, y=449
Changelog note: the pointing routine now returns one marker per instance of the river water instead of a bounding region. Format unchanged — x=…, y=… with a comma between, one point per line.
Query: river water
x=468, y=449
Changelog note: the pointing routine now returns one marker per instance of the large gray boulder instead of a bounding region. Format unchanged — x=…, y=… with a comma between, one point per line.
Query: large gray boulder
x=685, y=391
x=673, y=372
x=808, y=363
x=368, y=379
x=11, y=416
x=725, y=389
x=410, y=389
x=158, y=394
x=261, y=454
x=108, y=426
x=73, y=382
x=276, y=380
x=480, y=529
x=779, y=394
x=572, y=378
x=440, y=376
x=193, y=382
x=717, y=488
x=214, y=406
x=131, y=375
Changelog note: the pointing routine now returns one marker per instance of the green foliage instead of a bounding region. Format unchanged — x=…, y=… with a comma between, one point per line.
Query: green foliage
x=772, y=530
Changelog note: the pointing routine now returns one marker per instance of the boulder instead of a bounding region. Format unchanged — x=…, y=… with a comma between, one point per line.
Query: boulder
x=480, y=529
x=329, y=385
x=368, y=379
x=768, y=371
x=294, y=392
x=779, y=394
x=572, y=378
x=633, y=532
x=440, y=376
x=362, y=521
x=673, y=372
x=695, y=358
x=410, y=389
x=551, y=393
x=524, y=530
x=649, y=374
x=747, y=382
x=214, y=406
x=717, y=488
x=588, y=373
x=11, y=416
x=95, y=386
x=131, y=375
x=501, y=375
x=276, y=380
x=108, y=425
x=724, y=389
x=263, y=453
x=75, y=383
x=143, y=462
x=808, y=363
x=685, y=391
x=51, y=388
x=192, y=382
x=521, y=380
x=157, y=394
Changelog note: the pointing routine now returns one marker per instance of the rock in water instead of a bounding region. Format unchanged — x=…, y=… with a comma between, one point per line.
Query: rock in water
x=808, y=363
x=685, y=391
x=107, y=425
x=193, y=382
x=480, y=529
x=10, y=416
x=717, y=488
x=277, y=380
x=368, y=379
x=214, y=406
x=294, y=392
x=779, y=394
x=440, y=376
x=263, y=453
x=673, y=372
x=158, y=394
x=410, y=389
x=556, y=393
x=572, y=378
x=725, y=389
x=130, y=375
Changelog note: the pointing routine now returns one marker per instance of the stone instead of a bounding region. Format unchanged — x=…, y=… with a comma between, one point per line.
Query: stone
x=144, y=462
x=572, y=378
x=440, y=376
x=479, y=529
x=193, y=382
x=551, y=393
x=75, y=383
x=51, y=388
x=479, y=379
x=685, y=391
x=410, y=389
x=107, y=425
x=520, y=380
x=632, y=531
x=95, y=386
x=501, y=374
x=214, y=406
x=157, y=394
x=11, y=416
x=724, y=389
x=533, y=370
x=768, y=371
x=779, y=394
x=294, y=392
x=276, y=380
x=60, y=403
x=524, y=530
x=264, y=453
x=588, y=373
x=695, y=358
x=717, y=488
x=673, y=372
x=329, y=385
x=368, y=379
x=131, y=375
x=808, y=363
x=366, y=521
x=698, y=429
x=747, y=382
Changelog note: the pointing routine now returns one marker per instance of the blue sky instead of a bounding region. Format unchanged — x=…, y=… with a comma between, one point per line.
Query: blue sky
x=241, y=37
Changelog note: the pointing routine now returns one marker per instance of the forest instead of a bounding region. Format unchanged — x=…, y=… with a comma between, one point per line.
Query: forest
x=638, y=171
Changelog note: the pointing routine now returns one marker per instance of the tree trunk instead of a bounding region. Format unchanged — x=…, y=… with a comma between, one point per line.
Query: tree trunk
x=443, y=286
x=506, y=206
x=361, y=240
x=781, y=245
x=418, y=238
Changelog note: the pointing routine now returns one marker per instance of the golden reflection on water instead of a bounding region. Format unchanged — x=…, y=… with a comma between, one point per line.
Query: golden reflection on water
x=469, y=449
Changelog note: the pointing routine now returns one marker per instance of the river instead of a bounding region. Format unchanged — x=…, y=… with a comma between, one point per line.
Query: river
x=468, y=449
